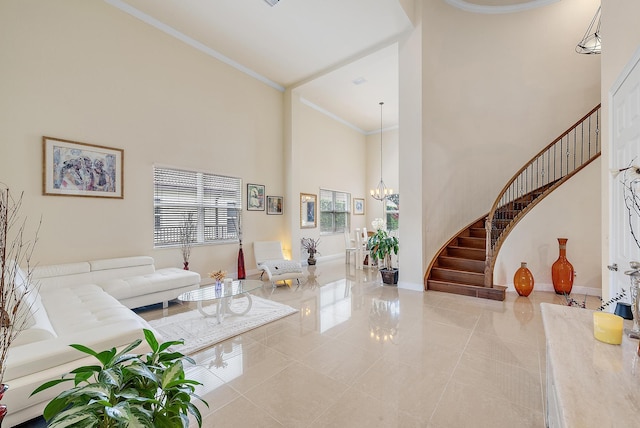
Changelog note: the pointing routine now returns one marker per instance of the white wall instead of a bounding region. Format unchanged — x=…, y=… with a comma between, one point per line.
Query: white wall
x=496, y=89
x=572, y=211
x=85, y=71
x=621, y=39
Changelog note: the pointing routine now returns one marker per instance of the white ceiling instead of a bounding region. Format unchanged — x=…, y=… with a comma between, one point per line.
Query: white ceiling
x=318, y=47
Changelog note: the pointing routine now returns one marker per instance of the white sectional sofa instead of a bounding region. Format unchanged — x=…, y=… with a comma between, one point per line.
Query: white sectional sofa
x=86, y=303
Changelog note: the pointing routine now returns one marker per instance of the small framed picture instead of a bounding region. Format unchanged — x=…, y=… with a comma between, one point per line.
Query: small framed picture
x=358, y=206
x=79, y=169
x=255, y=197
x=307, y=211
x=274, y=205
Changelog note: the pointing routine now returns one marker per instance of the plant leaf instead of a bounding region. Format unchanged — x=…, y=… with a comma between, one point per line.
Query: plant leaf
x=151, y=339
x=48, y=385
x=172, y=373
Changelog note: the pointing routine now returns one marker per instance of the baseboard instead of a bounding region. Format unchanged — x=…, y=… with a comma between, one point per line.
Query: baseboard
x=576, y=290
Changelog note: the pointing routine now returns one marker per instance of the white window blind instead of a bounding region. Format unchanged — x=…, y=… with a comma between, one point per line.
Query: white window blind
x=211, y=201
x=335, y=209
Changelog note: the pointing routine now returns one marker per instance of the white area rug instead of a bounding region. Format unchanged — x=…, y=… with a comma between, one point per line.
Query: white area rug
x=199, y=332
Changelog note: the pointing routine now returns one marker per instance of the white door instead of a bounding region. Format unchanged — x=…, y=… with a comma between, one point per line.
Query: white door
x=625, y=151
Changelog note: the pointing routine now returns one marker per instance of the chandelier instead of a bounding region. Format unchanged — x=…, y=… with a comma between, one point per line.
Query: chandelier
x=380, y=192
x=591, y=41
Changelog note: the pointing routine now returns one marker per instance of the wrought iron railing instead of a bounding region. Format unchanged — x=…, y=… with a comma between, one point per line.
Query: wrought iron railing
x=565, y=156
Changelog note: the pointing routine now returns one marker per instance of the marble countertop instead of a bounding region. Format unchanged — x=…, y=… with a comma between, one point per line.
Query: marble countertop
x=597, y=384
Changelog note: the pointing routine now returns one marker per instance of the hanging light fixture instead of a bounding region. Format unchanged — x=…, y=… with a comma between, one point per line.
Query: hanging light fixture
x=381, y=192
x=590, y=43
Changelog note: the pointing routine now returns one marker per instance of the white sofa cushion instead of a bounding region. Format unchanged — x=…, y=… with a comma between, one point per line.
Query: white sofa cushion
x=122, y=262
x=82, y=314
x=160, y=280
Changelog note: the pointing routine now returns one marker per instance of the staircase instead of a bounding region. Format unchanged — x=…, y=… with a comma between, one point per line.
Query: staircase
x=460, y=265
x=464, y=265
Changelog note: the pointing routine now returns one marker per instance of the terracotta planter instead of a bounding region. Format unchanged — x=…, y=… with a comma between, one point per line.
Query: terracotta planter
x=562, y=270
x=523, y=280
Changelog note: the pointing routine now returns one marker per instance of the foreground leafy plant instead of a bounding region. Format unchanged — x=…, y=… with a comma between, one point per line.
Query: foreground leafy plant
x=126, y=390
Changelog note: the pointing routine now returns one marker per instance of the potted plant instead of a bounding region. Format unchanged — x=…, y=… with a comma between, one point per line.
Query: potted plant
x=147, y=390
x=311, y=245
x=381, y=246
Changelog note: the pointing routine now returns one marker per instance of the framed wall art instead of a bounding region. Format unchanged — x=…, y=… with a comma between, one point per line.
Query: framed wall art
x=80, y=169
x=275, y=204
x=307, y=210
x=255, y=197
x=358, y=206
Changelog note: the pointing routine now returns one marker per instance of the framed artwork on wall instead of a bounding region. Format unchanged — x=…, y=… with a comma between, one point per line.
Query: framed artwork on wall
x=275, y=204
x=255, y=197
x=307, y=210
x=80, y=169
x=358, y=206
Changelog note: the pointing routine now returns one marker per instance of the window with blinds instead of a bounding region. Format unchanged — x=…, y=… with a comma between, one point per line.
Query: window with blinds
x=212, y=202
x=335, y=210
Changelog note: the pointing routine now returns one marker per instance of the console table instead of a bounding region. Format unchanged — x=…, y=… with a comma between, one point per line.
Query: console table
x=589, y=383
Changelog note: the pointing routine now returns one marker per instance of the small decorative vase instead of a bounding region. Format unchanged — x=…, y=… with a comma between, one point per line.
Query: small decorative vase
x=562, y=270
x=186, y=265
x=241, y=272
x=523, y=280
x=3, y=407
x=312, y=258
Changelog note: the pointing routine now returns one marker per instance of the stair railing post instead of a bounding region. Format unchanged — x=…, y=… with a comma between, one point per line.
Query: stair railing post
x=488, y=272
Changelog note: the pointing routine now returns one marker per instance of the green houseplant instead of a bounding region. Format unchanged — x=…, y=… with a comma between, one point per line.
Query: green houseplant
x=126, y=390
x=381, y=247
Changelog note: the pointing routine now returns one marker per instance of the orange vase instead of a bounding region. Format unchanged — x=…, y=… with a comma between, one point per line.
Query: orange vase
x=523, y=280
x=562, y=270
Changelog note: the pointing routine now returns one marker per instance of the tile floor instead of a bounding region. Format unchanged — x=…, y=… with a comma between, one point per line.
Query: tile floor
x=360, y=354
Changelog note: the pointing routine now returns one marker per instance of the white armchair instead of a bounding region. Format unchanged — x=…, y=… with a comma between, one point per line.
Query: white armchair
x=270, y=259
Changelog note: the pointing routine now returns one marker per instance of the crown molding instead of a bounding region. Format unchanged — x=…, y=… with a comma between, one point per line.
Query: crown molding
x=191, y=42
x=512, y=8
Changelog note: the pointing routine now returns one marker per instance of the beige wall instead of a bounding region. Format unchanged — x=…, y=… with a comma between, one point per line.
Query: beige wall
x=620, y=41
x=496, y=89
x=85, y=71
x=328, y=155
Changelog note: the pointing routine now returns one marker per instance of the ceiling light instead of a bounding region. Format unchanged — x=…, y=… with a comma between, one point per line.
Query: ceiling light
x=359, y=81
x=381, y=192
x=272, y=2
x=591, y=43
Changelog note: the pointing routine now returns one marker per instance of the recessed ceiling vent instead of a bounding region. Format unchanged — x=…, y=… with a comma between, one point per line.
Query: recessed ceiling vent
x=272, y=2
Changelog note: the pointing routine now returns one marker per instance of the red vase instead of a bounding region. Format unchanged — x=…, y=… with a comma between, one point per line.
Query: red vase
x=562, y=270
x=241, y=273
x=186, y=265
x=523, y=280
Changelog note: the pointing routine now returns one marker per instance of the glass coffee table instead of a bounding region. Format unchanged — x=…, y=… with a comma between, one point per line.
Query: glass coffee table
x=222, y=296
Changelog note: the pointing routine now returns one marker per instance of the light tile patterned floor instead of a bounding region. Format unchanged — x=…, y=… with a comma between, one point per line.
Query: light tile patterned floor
x=360, y=354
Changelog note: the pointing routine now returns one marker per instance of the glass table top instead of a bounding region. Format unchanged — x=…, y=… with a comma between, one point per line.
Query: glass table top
x=212, y=292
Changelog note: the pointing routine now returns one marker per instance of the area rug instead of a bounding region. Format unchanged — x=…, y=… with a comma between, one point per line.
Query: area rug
x=199, y=332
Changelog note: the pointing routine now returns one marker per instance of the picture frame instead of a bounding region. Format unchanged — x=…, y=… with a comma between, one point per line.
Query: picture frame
x=358, y=206
x=275, y=205
x=255, y=197
x=72, y=168
x=308, y=210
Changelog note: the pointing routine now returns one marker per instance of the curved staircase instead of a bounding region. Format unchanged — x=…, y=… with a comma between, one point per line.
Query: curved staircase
x=464, y=265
